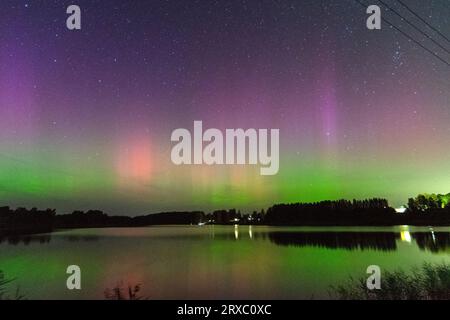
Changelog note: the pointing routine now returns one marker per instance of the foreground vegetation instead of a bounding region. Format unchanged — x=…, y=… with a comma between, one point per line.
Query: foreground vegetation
x=120, y=292
x=429, y=282
x=4, y=292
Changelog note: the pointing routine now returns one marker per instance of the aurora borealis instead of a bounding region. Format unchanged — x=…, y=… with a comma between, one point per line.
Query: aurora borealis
x=86, y=116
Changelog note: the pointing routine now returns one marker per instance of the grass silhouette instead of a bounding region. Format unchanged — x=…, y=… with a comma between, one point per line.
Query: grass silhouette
x=4, y=292
x=429, y=282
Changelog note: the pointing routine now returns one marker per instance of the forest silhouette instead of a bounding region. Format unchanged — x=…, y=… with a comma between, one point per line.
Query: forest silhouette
x=425, y=209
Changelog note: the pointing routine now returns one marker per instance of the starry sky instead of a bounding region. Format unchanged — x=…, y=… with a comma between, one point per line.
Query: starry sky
x=86, y=116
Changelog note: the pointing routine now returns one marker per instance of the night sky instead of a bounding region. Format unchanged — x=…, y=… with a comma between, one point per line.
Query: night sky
x=86, y=116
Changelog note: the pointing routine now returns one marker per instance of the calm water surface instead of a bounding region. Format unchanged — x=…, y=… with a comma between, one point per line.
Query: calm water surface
x=214, y=262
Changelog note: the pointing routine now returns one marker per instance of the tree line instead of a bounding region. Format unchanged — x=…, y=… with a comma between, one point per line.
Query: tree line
x=425, y=209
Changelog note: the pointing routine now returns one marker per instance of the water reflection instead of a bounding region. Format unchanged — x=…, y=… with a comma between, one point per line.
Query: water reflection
x=78, y=238
x=434, y=241
x=44, y=239
x=26, y=240
x=405, y=235
x=385, y=241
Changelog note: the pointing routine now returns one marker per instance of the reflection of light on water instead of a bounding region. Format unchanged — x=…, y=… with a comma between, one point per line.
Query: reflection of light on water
x=404, y=234
x=212, y=233
x=236, y=231
x=432, y=235
x=250, y=233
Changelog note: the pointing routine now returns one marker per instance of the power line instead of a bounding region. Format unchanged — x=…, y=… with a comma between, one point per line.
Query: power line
x=408, y=36
x=423, y=20
x=412, y=25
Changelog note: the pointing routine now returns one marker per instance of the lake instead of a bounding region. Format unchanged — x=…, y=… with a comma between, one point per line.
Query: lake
x=214, y=262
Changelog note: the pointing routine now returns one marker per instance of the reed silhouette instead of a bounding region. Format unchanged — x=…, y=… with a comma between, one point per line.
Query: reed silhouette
x=119, y=292
x=429, y=282
x=5, y=291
